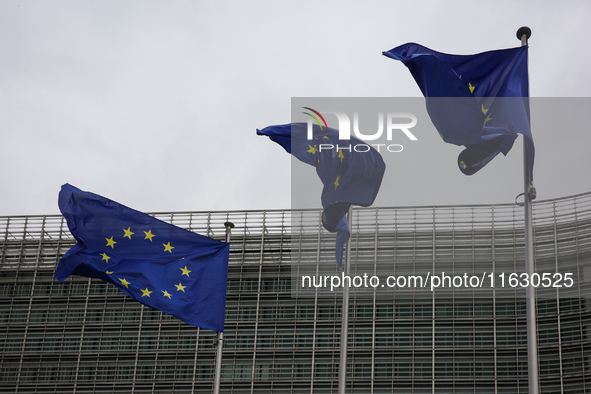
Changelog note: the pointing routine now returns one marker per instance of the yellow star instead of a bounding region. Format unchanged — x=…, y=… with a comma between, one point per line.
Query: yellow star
x=124, y=282
x=110, y=242
x=487, y=119
x=167, y=247
x=471, y=87
x=146, y=292
x=128, y=233
x=105, y=257
x=180, y=287
x=341, y=156
x=149, y=235
x=336, y=183
x=312, y=149
x=185, y=271
x=166, y=294
x=484, y=111
x=109, y=272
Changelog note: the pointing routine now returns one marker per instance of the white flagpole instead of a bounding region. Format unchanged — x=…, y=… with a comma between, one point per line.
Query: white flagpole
x=220, y=337
x=345, y=315
x=530, y=301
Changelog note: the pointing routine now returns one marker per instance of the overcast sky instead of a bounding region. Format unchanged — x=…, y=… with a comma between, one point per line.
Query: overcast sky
x=156, y=104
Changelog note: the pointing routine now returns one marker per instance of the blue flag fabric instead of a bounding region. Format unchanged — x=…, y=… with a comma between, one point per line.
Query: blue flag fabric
x=480, y=101
x=349, y=177
x=160, y=265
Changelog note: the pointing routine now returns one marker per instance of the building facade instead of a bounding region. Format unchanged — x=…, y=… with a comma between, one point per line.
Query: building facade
x=84, y=336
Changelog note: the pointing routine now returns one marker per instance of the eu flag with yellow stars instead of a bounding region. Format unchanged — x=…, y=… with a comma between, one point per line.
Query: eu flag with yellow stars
x=349, y=176
x=479, y=101
x=160, y=265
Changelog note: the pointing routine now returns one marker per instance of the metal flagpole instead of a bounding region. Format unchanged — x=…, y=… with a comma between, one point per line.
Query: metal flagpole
x=530, y=302
x=220, y=337
x=345, y=315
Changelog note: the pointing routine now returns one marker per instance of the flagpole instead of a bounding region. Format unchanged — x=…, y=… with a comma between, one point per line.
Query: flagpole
x=220, y=337
x=523, y=34
x=345, y=315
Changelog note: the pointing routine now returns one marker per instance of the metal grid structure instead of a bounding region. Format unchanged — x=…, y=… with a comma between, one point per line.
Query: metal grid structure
x=84, y=336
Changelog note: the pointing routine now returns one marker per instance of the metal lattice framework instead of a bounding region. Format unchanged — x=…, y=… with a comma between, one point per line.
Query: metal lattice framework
x=83, y=335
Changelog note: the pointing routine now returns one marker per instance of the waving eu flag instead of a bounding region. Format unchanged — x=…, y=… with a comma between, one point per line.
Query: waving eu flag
x=160, y=265
x=349, y=177
x=479, y=101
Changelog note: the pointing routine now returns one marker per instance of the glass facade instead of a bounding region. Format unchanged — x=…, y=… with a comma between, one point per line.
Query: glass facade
x=84, y=336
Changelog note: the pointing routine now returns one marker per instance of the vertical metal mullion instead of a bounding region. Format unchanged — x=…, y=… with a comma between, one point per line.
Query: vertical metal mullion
x=101, y=335
x=190, y=226
x=26, y=328
x=40, y=245
x=579, y=269
x=433, y=354
x=240, y=299
x=209, y=224
x=121, y=329
x=157, y=351
x=315, y=321
x=176, y=358
x=373, y=325
x=256, y=322
x=195, y=360
x=198, y=328
x=32, y=292
x=39, y=248
x=2, y=255
x=137, y=348
x=280, y=289
x=494, y=298
x=555, y=230
x=81, y=333
x=3, y=250
x=354, y=305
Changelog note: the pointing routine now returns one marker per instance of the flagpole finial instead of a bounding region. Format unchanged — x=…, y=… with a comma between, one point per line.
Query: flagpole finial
x=229, y=226
x=524, y=31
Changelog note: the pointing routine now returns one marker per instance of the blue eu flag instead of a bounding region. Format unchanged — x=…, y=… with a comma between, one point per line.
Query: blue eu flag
x=479, y=101
x=350, y=176
x=160, y=265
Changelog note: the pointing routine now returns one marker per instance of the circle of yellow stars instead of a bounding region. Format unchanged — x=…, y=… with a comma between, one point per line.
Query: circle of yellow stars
x=148, y=235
